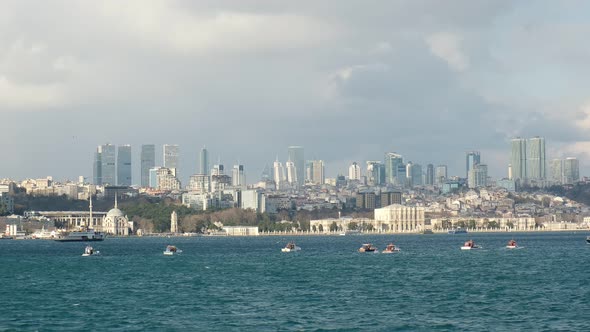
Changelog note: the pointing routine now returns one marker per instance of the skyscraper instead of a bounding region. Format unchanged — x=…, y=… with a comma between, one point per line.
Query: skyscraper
x=518, y=158
x=556, y=171
x=238, y=179
x=392, y=167
x=171, y=157
x=472, y=158
x=429, y=175
x=204, y=162
x=354, y=172
x=97, y=167
x=278, y=174
x=148, y=161
x=124, y=165
x=535, y=159
x=291, y=173
x=375, y=173
x=441, y=174
x=478, y=176
x=413, y=174
x=571, y=170
x=297, y=157
x=317, y=171
x=108, y=158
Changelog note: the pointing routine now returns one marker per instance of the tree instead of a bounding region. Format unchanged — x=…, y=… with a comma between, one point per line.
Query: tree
x=353, y=226
x=321, y=228
x=471, y=224
x=510, y=224
x=333, y=227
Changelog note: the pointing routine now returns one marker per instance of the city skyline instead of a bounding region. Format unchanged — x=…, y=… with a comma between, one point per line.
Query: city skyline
x=349, y=82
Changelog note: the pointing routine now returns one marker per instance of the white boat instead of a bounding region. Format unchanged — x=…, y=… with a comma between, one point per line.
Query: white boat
x=290, y=247
x=470, y=245
x=89, y=251
x=511, y=245
x=588, y=239
x=171, y=250
x=367, y=247
x=82, y=236
x=390, y=249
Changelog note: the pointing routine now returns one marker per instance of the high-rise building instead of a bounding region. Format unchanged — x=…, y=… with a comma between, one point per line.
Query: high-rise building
x=472, y=158
x=518, y=158
x=354, y=172
x=278, y=174
x=441, y=174
x=97, y=168
x=297, y=157
x=375, y=173
x=124, y=165
x=204, y=162
x=148, y=161
x=291, y=170
x=238, y=178
x=167, y=179
x=571, y=170
x=171, y=157
x=316, y=172
x=535, y=159
x=429, y=175
x=556, y=171
x=108, y=170
x=478, y=176
x=413, y=174
x=392, y=163
x=153, y=177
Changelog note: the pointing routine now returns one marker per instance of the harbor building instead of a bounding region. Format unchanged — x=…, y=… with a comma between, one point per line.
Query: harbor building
x=400, y=218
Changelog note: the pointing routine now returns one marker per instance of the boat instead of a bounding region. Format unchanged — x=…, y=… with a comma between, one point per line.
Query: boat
x=171, y=250
x=290, y=247
x=6, y=237
x=588, y=239
x=470, y=245
x=367, y=247
x=390, y=249
x=512, y=245
x=350, y=232
x=82, y=236
x=458, y=230
x=89, y=251
x=86, y=234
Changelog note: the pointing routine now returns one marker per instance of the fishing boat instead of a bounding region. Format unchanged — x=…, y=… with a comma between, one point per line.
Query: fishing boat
x=469, y=245
x=367, y=247
x=290, y=247
x=512, y=245
x=89, y=251
x=171, y=250
x=390, y=249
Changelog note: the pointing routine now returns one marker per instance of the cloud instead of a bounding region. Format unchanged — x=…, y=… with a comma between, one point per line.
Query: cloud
x=14, y=96
x=447, y=46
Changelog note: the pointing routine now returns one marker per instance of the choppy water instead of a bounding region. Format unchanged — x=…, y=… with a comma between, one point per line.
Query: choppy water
x=245, y=284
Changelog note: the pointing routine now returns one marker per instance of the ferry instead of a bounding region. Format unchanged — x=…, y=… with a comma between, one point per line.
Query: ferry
x=512, y=245
x=367, y=247
x=82, y=236
x=290, y=247
x=458, y=230
x=390, y=249
x=470, y=245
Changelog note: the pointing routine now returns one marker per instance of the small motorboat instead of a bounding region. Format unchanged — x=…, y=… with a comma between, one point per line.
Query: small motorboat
x=89, y=251
x=469, y=245
x=367, y=247
x=290, y=247
x=390, y=249
x=511, y=245
x=588, y=239
x=171, y=250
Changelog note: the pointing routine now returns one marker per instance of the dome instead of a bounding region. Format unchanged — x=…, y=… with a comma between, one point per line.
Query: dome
x=115, y=213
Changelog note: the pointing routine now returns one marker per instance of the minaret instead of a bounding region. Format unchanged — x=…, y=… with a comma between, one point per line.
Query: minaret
x=174, y=222
x=115, y=200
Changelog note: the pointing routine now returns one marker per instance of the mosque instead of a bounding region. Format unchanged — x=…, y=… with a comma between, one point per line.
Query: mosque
x=116, y=223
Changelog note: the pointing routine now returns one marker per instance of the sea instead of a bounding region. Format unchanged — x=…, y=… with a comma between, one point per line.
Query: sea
x=248, y=284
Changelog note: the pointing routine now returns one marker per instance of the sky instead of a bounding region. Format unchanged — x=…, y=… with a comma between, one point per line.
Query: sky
x=348, y=80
